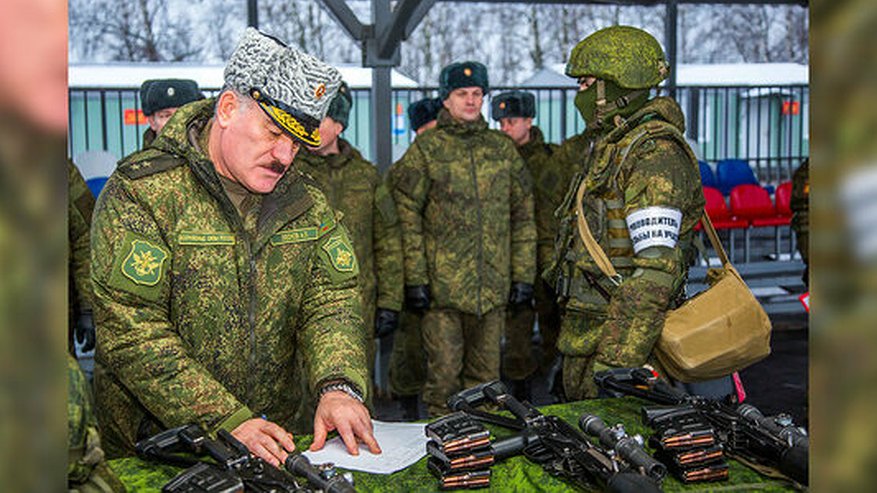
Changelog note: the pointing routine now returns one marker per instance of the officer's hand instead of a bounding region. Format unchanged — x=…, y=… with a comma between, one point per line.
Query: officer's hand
x=417, y=297
x=521, y=294
x=265, y=439
x=341, y=412
x=386, y=322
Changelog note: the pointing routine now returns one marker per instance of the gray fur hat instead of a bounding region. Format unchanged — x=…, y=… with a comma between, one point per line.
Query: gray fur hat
x=293, y=88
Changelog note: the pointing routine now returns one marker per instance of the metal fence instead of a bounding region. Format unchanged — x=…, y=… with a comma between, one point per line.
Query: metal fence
x=765, y=125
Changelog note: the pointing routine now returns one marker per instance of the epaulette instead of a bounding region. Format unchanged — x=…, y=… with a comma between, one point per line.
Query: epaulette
x=148, y=162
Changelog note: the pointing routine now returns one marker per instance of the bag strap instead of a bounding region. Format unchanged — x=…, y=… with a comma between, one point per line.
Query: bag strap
x=602, y=260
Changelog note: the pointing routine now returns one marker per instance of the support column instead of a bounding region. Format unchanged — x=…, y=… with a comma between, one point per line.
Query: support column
x=671, y=30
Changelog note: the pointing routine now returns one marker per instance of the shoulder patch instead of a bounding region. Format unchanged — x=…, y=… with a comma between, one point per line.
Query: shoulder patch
x=148, y=163
x=341, y=254
x=144, y=263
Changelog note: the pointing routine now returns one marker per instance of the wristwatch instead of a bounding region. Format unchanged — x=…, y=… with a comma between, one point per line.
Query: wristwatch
x=343, y=387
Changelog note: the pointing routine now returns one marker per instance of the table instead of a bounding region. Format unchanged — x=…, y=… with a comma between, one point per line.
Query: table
x=514, y=474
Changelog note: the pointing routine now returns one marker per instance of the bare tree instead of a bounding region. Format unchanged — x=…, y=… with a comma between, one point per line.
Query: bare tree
x=135, y=30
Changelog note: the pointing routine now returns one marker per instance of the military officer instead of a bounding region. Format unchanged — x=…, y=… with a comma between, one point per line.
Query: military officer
x=225, y=288
x=160, y=99
x=408, y=360
x=641, y=196
x=353, y=186
x=469, y=237
x=515, y=110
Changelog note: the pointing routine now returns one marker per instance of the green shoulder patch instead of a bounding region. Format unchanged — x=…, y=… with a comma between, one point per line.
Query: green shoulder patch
x=143, y=264
x=341, y=254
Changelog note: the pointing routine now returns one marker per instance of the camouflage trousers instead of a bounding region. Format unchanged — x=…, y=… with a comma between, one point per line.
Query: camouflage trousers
x=408, y=359
x=518, y=360
x=579, y=368
x=462, y=351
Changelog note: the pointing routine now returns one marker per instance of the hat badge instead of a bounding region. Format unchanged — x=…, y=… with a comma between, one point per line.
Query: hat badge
x=170, y=91
x=320, y=91
x=467, y=72
x=502, y=105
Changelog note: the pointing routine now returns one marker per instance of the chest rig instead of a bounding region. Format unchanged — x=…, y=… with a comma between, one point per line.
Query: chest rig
x=577, y=278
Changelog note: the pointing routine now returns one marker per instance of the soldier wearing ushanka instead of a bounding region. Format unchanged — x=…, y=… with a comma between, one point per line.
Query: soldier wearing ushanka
x=641, y=197
x=225, y=287
x=465, y=203
x=160, y=99
x=515, y=110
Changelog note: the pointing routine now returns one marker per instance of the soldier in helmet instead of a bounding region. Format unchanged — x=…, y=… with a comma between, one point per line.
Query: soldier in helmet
x=353, y=186
x=515, y=110
x=640, y=195
x=160, y=99
x=225, y=288
x=469, y=237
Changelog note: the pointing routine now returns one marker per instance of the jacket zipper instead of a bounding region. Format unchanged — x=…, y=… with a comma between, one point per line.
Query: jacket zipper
x=480, y=227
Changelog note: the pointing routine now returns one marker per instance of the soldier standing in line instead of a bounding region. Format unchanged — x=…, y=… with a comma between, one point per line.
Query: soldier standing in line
x=801, y=214
x=469, y=236
x=225, y=288
x=80, y=208
x=160, y=99
x=641, y=196
x=353, y=186
x=408, y=359
x=515, y=111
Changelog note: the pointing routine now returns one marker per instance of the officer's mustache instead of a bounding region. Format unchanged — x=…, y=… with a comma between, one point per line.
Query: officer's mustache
x=277, y=167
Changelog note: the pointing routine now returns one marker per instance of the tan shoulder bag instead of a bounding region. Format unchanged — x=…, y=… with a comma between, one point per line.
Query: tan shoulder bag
x=720, y=330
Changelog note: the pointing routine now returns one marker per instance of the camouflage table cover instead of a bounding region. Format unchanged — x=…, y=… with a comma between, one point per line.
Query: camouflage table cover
x=515, y=474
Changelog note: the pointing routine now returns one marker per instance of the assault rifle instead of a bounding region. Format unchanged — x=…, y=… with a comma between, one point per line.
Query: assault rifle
x=772, y=442
x=563, y=450
x=234, y=469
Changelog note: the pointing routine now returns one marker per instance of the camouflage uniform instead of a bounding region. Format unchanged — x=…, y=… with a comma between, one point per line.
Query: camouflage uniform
x=353, y=186
x=80, y=208
x=550, y=180
x=639, y=172
x=466, y=207
x=87, y=471
x=408, y=359
x=213, y=315
x=801, y=209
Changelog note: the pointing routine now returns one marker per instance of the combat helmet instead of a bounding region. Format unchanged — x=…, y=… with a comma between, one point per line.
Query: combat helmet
x=628, y=56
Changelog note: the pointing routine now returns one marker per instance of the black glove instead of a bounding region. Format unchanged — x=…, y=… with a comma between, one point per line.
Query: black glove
x=521, y=294
x=386, y=322
x=84, y=331
x=417, y=297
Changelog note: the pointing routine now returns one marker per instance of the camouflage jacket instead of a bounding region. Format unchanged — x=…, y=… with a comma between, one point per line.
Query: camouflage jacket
x=550, y=180
x=353, y=186
x=80, y=207
x=466, y=206
x=800, y=206
x=642, y=194
x=205, y=317
x=87, y=471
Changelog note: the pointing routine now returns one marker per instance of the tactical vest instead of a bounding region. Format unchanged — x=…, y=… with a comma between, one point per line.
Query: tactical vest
x=579, y=282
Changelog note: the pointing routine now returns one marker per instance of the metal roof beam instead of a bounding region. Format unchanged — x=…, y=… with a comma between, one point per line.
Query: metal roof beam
x=340, y=11
x=803, y=3
x=406, y=17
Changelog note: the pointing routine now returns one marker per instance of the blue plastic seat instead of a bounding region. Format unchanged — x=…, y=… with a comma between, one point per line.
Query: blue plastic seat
x=733, y=172
x=96, y=184
x=707, y=177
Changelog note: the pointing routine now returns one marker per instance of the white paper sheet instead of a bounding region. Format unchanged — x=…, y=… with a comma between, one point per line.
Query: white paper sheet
x=402, y=444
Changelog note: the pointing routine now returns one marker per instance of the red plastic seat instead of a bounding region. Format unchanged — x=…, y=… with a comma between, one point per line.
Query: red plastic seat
x=718, y=211
x=752, y=202
x=783, y=199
